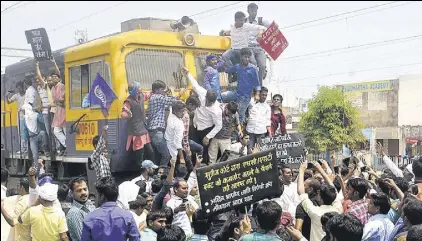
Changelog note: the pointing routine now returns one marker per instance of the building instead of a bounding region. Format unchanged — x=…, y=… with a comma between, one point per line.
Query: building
x=391, y=111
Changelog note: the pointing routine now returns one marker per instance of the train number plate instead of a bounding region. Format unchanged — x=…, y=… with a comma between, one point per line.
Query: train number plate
x=87, y=131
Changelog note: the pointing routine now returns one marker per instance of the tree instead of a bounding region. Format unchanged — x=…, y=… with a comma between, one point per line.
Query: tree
x=330, y=122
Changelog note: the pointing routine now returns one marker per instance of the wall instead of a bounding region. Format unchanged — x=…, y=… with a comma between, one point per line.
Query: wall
x=410, y=100
x=377, y=101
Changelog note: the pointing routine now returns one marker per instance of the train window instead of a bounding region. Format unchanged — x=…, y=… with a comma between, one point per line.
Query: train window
x=82, y=77
x=148, y=65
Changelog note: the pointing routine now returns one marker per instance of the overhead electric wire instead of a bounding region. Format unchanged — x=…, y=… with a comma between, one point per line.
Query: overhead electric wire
x=217, y=8
x=357, y=71
x=90, y=15
x=11, y=6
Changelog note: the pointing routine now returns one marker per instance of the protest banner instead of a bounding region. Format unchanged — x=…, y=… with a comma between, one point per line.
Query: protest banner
x=273, y=41
x=40, y=44
x=289, y=148
x=237, y=182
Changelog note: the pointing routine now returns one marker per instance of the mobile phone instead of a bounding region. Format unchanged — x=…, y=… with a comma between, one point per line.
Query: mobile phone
x=415, y=190
x=336, y=169
x=310, y=165
x=363, y=169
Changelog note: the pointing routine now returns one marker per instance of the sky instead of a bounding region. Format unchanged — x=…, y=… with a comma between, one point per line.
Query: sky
x=382, y=42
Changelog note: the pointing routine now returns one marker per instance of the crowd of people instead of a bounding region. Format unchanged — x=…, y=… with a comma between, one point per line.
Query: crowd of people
x=318, y=201
x=41, y=109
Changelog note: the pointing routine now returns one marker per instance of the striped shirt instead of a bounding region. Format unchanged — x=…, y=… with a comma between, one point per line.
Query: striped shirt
x=76, y=216
x=44, y=99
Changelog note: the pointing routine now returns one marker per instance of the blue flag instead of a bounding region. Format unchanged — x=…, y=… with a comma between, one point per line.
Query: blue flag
x=101, y=94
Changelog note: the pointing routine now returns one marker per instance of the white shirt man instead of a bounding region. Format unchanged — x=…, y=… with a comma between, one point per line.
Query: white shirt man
x=379, y=227
x=206, y=116
x=240, y=36
x=259, y=118
x=181, y=219
x=174, y=134
x=289, y=200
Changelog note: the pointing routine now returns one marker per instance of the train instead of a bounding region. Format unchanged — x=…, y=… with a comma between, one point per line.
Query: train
x=147, y=49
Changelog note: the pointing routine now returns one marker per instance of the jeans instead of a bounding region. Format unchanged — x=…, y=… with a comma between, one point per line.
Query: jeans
x=242, y=101
x=254, y=138
x=195, y=147
x=23, y=133
x=231, y=57
x=160, y=145
x=259, y=59
x=37, y=142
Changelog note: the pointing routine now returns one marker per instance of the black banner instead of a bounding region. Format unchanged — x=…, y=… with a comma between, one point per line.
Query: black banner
x=40, y=44
x=240, y=181
x=290, y=148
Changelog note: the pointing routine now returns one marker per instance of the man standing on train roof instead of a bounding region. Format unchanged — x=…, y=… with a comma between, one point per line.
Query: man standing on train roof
x=257, y=51
x=212, y=76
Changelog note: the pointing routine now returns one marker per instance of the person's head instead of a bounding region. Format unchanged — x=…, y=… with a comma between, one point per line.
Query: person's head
x=402, y=184
x=277, y=100
x=252, y=10
x=211, y=97
x=287, y=174
x=138, y=206
x=156, y=220
x=356, y=189
x=23, y=186
x=231, y=229
x=245, y=140
x=344, y=227
x=245, y=55
x=142, y=184
x=194, y=190
x=414, y=233
x=328, y=194
x=171, y=233
x=412, y=212
x=160, y=172
x=379, y=204
x=417, y=167
x=159, y=87
x=92, y=197
x=50, y=82
x=79, y=188
x=148, y=198
x=263, y=94
x=239, y=19
x=200, y=223
x=20, y=87
x=48, y=194
x=55, y=77
x=178, y=109
x=212, y=60
x=156, y=185
x=148, y=168
x=269, y=215
x=181, y=188
x=312, y=187
x=192, y=103
x=95, y=141
x=107, y=190
x=325, y=218
x=135, y=89
x=63, y=192
x=4, y=175
x=29, y=82
x=169, y=214
x=231, y=108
